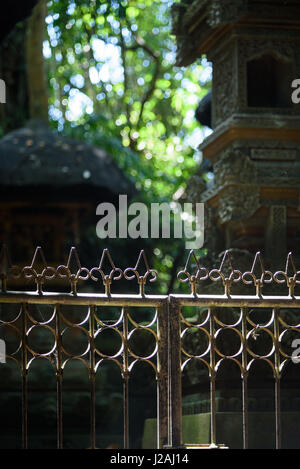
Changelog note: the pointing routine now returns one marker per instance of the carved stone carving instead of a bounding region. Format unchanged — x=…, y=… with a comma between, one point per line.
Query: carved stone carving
x=237, y=203
x=230, y=73
x=212, y=234
x=225, y=12
x=282, y=49
x=282, y=171
x=269, y=149
x=223, y=86
x=234, y=166
x=275, y=235
x=196, y=186
x=276, y=154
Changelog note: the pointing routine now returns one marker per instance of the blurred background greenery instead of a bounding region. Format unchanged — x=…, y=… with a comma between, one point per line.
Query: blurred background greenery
x=111, y=80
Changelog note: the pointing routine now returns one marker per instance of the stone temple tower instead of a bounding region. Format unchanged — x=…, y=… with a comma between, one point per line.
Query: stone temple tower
x=253, y=202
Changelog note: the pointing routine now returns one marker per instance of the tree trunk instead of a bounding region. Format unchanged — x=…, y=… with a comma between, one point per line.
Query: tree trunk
x=15, y=111
x=36, y=76
x=22, y=67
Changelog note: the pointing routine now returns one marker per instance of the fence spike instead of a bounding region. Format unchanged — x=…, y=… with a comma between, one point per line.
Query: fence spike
x=142, y=279
x=192, y=278
x=64, y=271
x=260, y=279
x=106, y=278
x=45, y=271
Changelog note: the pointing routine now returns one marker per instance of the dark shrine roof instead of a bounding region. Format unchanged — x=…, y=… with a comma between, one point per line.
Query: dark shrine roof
x=35, y=156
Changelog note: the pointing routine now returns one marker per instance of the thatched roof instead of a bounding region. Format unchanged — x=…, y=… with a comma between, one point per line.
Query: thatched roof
x=36, y=157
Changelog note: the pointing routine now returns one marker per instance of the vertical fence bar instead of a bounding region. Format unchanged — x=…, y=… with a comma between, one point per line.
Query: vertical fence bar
x=213, y=435
x=59, y=376
x=277, y=413
x=24, y=380
x=245, y=379
x=277, y=379
x=163, y=371
x=92, y=375
x=125, y=379
x=169, y=382
x=175, y=371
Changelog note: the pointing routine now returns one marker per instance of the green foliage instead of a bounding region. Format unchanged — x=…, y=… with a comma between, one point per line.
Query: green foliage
x=113, y=82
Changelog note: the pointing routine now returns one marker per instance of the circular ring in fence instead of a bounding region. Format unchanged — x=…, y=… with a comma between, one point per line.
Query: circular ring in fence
x=228, y=312
x=13, y=338
x=79, y=358
x=142, y=326
x=104, y=360
x=223, y=347
x=256, y=338
x=259, y=312
x=41, y=357
x=292, y=318
x=195, y=360
x=109, y=322
x=38, y=340
x=264, y=360
x=142, y=343
x=73, y=339
x=195, y=342
x=289, y=344
x=43, y=321
x=196, y=324
x=10, y=313
x=106, y=347
x=142, y=360
x=228, y=359
x=79, y=323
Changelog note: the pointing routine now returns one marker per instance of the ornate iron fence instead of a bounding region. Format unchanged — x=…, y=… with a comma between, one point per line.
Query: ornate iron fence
x=173, y=331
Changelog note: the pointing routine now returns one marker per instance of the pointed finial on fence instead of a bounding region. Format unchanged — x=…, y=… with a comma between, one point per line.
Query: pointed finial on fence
x=289, y=274
x=106, y=278
x=185, y=275
x=234, y=276
x=141, y=278
x=39, y=262
x=258, y=281
x=73, y=275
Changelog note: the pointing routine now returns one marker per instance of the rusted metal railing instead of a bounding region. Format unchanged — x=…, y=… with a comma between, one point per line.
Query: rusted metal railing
x=92, y=325
x=244, y=327
x=169, y=328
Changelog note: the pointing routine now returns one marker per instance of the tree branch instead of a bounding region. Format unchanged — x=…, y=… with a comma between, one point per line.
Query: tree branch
x=37, y=85
x=123, y=47
x=141, y=44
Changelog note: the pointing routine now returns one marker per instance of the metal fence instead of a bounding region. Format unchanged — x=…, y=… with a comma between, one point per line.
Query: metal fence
x=170, y=329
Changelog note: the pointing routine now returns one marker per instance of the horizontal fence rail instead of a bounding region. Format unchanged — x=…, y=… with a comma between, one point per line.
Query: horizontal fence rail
x=260, y=326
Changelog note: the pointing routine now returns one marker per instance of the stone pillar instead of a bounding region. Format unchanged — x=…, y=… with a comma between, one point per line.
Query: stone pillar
x=254, y=149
